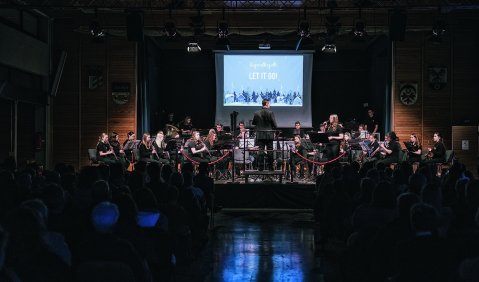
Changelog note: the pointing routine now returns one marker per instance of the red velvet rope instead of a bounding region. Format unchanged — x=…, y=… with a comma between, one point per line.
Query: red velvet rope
x=210, y=163
x=321, y=163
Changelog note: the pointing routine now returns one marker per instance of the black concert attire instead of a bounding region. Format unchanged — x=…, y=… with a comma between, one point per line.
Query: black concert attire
x=186, y=129
x=297, y=160
x=371, y=123
x=413, y=158
x=438, y=153
x=146, y=154
x=264, y=120
x=128, y=153
x=121, y=157
x=388, y=159
x=160, y=151
x=201, y=157
x=332, y=148
x=108, y=159
x=238, y=134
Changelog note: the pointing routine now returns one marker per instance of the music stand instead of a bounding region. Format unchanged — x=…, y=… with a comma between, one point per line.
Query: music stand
x=131, y=144
x=318, y=137
x=174, y=144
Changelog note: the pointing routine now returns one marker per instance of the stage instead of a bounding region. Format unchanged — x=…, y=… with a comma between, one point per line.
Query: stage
x=263, y=194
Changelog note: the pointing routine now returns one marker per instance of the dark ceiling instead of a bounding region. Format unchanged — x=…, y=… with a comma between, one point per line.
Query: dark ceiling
x=250, y=22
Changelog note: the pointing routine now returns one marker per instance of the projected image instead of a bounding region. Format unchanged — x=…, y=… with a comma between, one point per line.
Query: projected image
x=248, y=79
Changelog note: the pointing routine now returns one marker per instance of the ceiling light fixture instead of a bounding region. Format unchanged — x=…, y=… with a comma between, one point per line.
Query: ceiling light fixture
x=193, y=47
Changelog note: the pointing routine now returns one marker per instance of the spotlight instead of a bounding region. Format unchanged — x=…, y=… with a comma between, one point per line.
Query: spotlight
x=222, y=29
x=96, y=30
x=329, y=48
x=359, y=31
x=170, y=28
x=193, y=47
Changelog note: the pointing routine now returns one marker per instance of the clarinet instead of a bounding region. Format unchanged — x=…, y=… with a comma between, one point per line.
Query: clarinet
x=113, y=151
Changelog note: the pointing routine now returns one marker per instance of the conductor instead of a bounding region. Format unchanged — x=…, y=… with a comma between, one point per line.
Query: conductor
x=264, y=122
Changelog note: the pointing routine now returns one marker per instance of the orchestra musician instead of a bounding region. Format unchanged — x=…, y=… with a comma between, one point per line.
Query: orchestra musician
x=372, y=122
x=242, y=131
x=105, y=152
x=390, y=149
x=335, y=134
x=186, y=126
x=130, y=136
x=436, y=154
x=160, y=145
x=147, y=151
x=372, y=154
x=114, y=141
x=297, y=160
x=297, y=130
x=414, y=149
x=211, y=139
x=219, y=130
x=344, y=146
x=264, y=121
x=197, y=149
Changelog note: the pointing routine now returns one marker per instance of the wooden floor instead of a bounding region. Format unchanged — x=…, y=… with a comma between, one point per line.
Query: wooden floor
x=264, y=246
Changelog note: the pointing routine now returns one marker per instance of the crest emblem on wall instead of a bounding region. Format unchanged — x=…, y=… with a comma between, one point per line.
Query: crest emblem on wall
x=95, y=77
x=437, y=77
x=408, y=93
x=120, y=92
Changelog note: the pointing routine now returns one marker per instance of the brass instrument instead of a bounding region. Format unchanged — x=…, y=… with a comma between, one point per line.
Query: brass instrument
x=171, y=130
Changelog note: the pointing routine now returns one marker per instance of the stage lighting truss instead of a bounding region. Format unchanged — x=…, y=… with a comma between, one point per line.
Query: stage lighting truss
x=304, y=29
x=359, y=30
x=222, y=29
x=96, y=30
x=438, y=30
x=170, y=28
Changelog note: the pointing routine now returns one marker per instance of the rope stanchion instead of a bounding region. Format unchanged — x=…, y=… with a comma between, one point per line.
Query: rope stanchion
x=220, y=159
x=321, y=163
x=190, y=159
x=210, y=163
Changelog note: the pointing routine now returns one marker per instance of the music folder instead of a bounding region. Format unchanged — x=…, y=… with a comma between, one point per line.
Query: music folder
x=172, y=144
x=318, y=137
x=131, y=144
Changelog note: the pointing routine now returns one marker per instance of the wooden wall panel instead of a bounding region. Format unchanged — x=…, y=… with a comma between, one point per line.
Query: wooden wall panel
x=121, y=118
x=454, y=104
x=81, y=114
x=467, y=157
x=64, y=108
x=93, y=101
x=407, y=64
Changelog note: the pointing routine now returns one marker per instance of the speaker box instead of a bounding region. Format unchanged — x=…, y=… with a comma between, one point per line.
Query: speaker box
x=134, y=26
x=397, y=25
